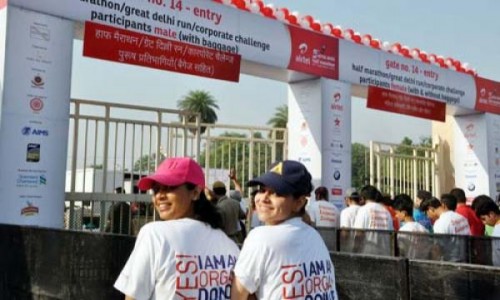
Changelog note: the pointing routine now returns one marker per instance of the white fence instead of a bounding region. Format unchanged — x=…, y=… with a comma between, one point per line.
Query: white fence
x=396, y=168
x=129, y=141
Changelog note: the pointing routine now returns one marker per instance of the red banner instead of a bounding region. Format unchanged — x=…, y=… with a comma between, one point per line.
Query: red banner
x=124, y=46
x=387, y=100
x=487, y=95
x=314, y=53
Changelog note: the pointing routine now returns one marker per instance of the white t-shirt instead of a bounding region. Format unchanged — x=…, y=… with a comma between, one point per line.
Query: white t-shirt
x=413, y=246
x=450, y=222
x=286, y=261
x=348, y=216
x=324, y=214
x=373, y=216
x=179, y=259
x=413, y=227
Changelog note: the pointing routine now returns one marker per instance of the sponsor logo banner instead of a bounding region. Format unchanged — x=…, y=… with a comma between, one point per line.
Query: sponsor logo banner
x=488, y=95
x=124, y=46
x=314, y=53
x=387, y=100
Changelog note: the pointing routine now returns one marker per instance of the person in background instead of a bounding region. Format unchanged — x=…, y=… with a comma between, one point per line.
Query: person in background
x=442, y=212
x=418, y=214
x=372, y=215
x=447, y=221
x=488, y=230
x=170, y=255
x=322, y=212
x=285, y=246
x=387, y=202
x=230, y=211
x=410, y=245
x=348, y=214
x=489, y=213
x=476, y=226
x=236, y=194
x=118, y=220
x=403, y=208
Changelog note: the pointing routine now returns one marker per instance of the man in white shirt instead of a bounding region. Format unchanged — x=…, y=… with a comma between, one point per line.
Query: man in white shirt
x=410, y=245
x=348, y=214
x=447, y=221
x=373, y=215
x=322, y=212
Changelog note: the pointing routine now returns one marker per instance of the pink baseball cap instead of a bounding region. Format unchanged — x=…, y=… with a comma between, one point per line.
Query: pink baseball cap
x=173, y=172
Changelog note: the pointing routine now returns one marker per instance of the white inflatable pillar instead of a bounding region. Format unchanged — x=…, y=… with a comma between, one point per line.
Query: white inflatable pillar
x=477, y=154
x=35, y=77
x=319, y=133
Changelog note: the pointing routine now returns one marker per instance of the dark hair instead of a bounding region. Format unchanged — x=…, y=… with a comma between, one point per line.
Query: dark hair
x=449, y=201
x=403, y=202
x=220, y=191
x=424, y=195
x=459, y=194
x=369, y=192
x=428, y=203
x=119, y=190
x=204, y=211
x=386, y=199
x=321, y=193
x=485, y=206
x=355, y=197
x=479, y=200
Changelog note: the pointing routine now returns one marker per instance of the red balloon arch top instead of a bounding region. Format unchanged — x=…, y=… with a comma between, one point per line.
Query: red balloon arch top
x=308, y=22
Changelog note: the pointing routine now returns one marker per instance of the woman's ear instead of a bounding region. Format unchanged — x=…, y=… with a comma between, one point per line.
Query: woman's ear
x=196, y=193
x=299, y=203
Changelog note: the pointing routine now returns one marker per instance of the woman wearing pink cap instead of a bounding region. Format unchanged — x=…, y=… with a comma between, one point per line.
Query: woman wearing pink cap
x=187, y=255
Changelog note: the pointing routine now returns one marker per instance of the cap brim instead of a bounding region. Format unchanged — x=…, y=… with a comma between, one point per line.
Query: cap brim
x=147, y=182
x=275, y=182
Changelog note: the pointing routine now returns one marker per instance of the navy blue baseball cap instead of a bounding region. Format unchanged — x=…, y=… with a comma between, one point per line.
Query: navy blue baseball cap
x=288, y=177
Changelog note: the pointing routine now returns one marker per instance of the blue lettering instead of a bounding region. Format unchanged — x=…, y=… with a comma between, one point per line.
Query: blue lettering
x=320, y=268
x=231, y=262
x=208, y=263
x=216, y=293
x=220, y=264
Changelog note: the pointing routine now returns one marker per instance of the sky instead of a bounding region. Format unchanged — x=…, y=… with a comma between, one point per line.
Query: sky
x=465, y=30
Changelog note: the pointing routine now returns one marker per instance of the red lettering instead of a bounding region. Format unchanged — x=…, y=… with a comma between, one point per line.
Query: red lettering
x=291, y=292
x=290, y=277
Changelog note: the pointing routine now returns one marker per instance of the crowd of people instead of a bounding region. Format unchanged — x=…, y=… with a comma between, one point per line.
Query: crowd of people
x=211, y=245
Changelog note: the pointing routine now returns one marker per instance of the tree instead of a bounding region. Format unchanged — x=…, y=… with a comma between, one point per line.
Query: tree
x=359, y=163
x=147, y=163
x=201, y=102
x=279, y=120
x=280, y=117
x=232, y=150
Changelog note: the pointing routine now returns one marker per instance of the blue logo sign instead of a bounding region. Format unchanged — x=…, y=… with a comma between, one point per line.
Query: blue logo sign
x=27, y=130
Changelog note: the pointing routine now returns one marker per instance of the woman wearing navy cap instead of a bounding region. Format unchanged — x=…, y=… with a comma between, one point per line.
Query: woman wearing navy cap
x=286, y=258
x=186, y=256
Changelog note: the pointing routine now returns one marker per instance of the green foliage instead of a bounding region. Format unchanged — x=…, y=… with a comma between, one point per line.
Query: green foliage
x=201, y=102
x=360, y=160
x=147, y=163
x=233, y=151
x=279, y=120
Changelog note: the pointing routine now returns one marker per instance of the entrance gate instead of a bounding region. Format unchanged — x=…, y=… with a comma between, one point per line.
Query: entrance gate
x=396, y=168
